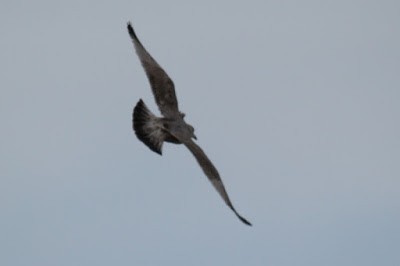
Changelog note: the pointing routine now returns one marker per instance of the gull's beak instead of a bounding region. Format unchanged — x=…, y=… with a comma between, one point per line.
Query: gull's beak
x=194, y=136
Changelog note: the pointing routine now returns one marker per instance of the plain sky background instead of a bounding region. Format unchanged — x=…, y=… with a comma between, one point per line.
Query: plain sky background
x=296, y=102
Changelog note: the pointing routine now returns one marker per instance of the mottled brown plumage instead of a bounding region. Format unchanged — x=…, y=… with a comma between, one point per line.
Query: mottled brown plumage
x=154, y=131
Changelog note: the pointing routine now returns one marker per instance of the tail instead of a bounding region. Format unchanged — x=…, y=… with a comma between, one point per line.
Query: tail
x=148, y=127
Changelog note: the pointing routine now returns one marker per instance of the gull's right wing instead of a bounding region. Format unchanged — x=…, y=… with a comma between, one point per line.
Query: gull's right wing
x=211, y=172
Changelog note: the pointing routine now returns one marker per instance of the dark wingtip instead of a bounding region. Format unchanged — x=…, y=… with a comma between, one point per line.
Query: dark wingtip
x=244, y=220
x=240, y=217
x=131, y=31
x=159, y=152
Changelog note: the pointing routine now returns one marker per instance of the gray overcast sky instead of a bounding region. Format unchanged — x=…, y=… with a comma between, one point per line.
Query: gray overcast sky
x=296, y=102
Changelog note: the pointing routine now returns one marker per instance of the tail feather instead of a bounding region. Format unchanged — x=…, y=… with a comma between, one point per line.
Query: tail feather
x=147, y=127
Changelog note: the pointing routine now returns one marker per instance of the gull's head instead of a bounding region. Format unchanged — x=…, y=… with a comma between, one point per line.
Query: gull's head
x=191, y=129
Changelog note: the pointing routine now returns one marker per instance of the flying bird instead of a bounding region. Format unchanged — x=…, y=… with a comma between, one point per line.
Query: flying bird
x=153, y=131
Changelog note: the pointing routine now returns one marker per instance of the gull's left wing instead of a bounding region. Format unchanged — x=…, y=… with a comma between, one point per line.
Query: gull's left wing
x=161, y=84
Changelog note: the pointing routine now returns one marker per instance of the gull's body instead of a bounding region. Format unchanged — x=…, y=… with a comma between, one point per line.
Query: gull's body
x=153, y=131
